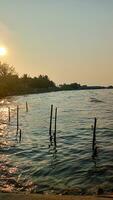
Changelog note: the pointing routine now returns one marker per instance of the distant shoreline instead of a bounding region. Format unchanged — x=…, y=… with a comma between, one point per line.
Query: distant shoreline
x=57, y=89
x=11, y=84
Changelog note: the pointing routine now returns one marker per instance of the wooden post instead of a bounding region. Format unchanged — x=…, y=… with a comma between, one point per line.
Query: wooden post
x=26, y=106
x=94, y=134
x=17, y=119
x=55, y=128
x=20, y=136
x=50, y=126
x=9, y=114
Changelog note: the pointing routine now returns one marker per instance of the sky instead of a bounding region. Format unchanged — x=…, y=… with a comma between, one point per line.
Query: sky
x=69, y=40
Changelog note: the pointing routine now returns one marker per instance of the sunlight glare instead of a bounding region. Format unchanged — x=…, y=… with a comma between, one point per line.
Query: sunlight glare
x=3, y=51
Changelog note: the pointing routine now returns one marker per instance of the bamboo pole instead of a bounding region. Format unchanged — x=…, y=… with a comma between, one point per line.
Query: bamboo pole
x=20, y=136
x=94, y=134
x=9, y=114
x=26, y=106
x=55, y=128
x=50, y=126
x=17, y=118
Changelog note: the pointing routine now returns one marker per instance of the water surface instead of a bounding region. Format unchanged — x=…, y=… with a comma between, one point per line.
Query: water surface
x=32, y=166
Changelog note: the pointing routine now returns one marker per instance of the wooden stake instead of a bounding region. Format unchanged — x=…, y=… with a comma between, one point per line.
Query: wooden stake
x=9, y=114
x=26, y=106
x=55, y=127
x=50, y=126
x=20, y=136
x=94, y=134
x=17, y=119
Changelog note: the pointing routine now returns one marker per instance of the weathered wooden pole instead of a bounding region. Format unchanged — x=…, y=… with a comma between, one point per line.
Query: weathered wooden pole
x=26, y=106
x=50, y=126
x=55, y=128
x=17, y=118
x=94, y=134
x=20, y=136
x=9, y=114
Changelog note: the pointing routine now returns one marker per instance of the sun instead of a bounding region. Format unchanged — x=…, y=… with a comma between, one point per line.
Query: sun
x=3, y=51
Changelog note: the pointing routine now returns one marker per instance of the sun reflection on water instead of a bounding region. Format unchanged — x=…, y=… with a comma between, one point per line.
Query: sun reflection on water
x=29, y=162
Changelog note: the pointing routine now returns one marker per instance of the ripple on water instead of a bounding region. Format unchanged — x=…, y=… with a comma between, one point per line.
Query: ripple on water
x=30, y=165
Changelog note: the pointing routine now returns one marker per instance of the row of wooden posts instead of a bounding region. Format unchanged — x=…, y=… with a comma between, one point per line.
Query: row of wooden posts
x=18, y=130
x=52, y=138
x=52, y=134
x=9, y=114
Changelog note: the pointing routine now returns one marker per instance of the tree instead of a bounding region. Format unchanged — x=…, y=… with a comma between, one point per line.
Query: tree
x=8, y=79
x=71, y=86
x=11, y=84
x=6, y=70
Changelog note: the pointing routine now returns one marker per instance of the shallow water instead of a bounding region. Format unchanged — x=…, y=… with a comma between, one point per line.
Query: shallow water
x=32, y=166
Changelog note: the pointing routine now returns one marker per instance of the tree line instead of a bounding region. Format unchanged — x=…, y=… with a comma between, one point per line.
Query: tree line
x=12, y=84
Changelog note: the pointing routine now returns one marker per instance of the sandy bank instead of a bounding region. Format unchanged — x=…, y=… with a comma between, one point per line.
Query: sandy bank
x=13, y=196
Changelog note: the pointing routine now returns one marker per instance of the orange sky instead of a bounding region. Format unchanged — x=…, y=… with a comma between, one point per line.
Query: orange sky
x=70, y=41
